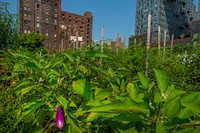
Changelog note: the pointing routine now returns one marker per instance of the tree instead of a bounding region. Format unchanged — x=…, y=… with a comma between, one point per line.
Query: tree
x=32, y=41
x=8, y=28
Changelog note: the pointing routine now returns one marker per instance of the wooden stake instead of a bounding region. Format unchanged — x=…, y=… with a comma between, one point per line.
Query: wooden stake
x=172, y=42
x=164, y=44
x=148, y=43
x=159, y=38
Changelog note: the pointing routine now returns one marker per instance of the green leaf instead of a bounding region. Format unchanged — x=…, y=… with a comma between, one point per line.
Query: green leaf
x=24, y=87
x=193, y=97
x=132, y=90
x=103, y=94
x=123, y=86
x=172, y=108
x=53, y=72
x=159, y=126
x=128, y=117
x=192, y=101
x=95, y=54
x=127, y=105
x=185, y=113
x=158, y=98
x=162, y=80
x=172, y=92
x=63, y=101
x=70, y=57
x=92, y=116
x=30, y=107
x=115, y=88
x=75, y=128
x=82, y=88
x=55, y=63
x=29, y=57
x=188, y=130
x=144, y=80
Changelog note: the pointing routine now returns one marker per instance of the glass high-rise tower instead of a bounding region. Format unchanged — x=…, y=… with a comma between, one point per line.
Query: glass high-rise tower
x=174, y=16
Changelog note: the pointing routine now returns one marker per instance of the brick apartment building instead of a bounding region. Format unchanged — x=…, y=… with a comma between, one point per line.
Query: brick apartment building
x=64, y=30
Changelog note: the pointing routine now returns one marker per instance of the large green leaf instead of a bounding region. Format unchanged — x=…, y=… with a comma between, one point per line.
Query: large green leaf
x=188, y=130
x=162, y=80
x=128, y=106
x=185, y=113
x=93, y=116
x=172, y=92
x=192, y=101
x=144, y=80
x=128, y=117
x=193, y=97
x=172, y=108
x=81, y=87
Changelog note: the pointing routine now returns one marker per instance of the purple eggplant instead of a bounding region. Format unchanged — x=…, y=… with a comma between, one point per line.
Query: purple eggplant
x=60, y=118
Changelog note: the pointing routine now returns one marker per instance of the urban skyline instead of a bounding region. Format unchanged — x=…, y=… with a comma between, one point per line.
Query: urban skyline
x=115, y=16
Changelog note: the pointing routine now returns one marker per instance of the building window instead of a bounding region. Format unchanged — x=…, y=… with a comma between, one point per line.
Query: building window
x=38, y=25
x=47, y=34
x=197, y=27
x=29, y=17
x=56, y=15
x=38, y=18
x=55, y=10
x=25, y=31
x=29, y=31
x=55, y=35
x=38, y=6
x=25, y=15
x=47, y=13
x=47, y=20
x=55, y=22
x=25, y=21
x=38, y=32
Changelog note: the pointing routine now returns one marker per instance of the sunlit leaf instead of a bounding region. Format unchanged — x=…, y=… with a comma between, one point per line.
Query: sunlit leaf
x=127, y=105
x=75, y=127
x=63, y=101
x=81, y=87
x=144, y=80
x=162, y=80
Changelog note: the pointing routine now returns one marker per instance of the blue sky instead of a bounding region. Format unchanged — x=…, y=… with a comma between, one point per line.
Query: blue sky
x=115, y=15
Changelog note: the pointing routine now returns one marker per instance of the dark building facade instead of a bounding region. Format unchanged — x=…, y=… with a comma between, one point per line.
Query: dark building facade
x=64, y=30
x=174, y=16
